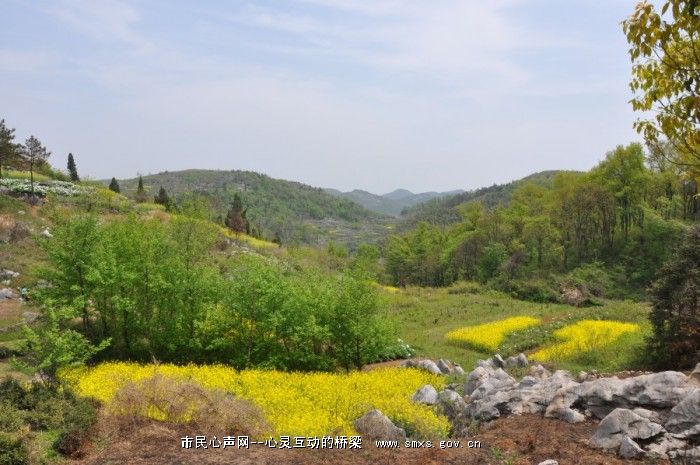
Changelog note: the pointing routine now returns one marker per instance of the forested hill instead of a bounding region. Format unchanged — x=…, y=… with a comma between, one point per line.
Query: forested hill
x=445, y=210
x=392, y=203
x=294, y=211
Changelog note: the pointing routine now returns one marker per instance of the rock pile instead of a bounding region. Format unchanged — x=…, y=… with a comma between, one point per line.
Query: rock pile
x=656, y=414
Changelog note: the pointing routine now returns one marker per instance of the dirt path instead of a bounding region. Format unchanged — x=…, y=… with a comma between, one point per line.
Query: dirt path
x=517, y=440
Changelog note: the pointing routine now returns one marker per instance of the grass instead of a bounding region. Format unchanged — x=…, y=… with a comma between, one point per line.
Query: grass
x=424, y=315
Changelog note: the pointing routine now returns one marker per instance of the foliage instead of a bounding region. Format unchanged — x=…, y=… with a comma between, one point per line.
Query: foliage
x=72, y=169
x=676, y=306
x=236, y=216
x=582, y=337
x=9, y=150
x=295, y=404
x=665, y=52
x=114, y=186
x=33, y=154
x=488, y=336
x=62, y=188
x=162, y=198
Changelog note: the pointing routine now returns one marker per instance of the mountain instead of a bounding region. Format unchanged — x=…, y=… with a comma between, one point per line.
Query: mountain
x=392, y=203
x=297, y=212
x=445, y=210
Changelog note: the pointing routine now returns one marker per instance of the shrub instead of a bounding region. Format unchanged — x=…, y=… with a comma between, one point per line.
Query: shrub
x=12, y=449
x=76, y=428
x=675, y=315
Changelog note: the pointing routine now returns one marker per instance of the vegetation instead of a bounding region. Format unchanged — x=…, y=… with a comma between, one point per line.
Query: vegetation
x=72, y=169
x=295, y=404
x=489, y=336
x=114, y=186
x=676, y=306
x=622, y=214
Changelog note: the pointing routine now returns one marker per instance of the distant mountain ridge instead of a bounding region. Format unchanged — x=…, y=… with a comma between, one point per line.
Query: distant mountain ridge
x=391, y=203
x=296, y=212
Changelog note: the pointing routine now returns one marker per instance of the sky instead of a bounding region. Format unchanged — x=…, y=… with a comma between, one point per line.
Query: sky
x=368, y=94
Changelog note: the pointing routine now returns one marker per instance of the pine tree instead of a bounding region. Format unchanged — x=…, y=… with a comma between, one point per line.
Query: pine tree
x=162, y=198
x=34, y=154
x=9, y=151
x=140, y=191
x=114, y=186
x=235, y=218
x=72, y=169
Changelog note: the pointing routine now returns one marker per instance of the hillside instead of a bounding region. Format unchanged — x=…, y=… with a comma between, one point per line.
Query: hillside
x=392, y=203
x=297, y=212
x=444, y=210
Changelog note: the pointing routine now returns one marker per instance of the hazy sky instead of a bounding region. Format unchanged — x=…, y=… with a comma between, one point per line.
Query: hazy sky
x=370, y=94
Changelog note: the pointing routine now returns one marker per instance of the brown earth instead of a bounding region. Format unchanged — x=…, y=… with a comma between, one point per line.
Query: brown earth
x=517, y=440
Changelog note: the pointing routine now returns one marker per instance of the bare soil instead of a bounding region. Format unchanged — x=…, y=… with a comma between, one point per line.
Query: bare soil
x=517, y=440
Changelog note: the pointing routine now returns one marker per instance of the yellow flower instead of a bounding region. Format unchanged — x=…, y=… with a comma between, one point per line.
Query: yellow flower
x=488, y=336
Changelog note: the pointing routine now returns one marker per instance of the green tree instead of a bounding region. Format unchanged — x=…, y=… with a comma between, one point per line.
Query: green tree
x=162, y=198
x=236, y=216
x=665, y=52
x=9, y=151
x=114, y=186
x=72, y=169
x=140, y=191
x=34, y=154
x=675, y=316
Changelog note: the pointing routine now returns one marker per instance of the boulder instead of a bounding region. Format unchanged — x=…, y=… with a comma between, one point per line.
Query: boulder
x=664, y=445
x=522, y=360
x=694, y=376
x=686, y=456
x=458, y=370
x=498, y=361
x=630, y=449
x=426, y=395
x=538, y=371
x=429, y=366
x=451, y=403
x=684, y=420
x=476, y=378
x=620, y=423
x=6, y=293
x=8, y=274
x=511, y=362
x=549, y=462
x=374, y=424
x=444, y=366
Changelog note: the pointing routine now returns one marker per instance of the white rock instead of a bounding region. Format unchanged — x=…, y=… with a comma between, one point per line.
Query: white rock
x=630, y=449
x=426, y=395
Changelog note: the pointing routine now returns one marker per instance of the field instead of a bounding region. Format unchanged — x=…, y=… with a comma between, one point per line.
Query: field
x=424, y=316
x=297, y=404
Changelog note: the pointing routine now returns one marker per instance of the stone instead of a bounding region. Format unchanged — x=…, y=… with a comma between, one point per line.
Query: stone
x=549, y=462
x=684, y=420
x=429, y=366
x=687, y=456
x=6, y=293
x=538, y=371
x=511, y=362
x=648, y=414
x=522, y=360
x=630, y=449
x=458, y=370
x=46, y=233
x=451, y=403
x=485, y=364
x=426, y=395
x=444, y=366
x=620, y=423
x=374, y=424
x=476, y=379
x=694, y=376
x=8, y=274
x=663, y=445
x=498, y=361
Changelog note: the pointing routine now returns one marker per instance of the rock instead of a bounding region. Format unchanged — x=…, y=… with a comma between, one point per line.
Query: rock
x=485, y=364
x=46, y=233
x=451, y=403
x=664, y=445
x=549, y=462
x=498, y=361
x=30, y=317
x=687, y=456
x=408, y=364
x=630, y=449
x=458, y=370
x=475, y=379
x=620, y=423
x=648, y=414
x=429, y=366
x=6, y=293
x=376, y=425
x=8, y=274
x=694, y=376
x=538, y=371
x=426, y=395
x=444, y=366
x=511, y=362
x=684, y=420
x=522, y=360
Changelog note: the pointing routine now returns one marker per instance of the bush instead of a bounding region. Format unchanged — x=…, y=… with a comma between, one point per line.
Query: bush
x=76, y=428
x=186, y=402
x=675, y=315
x=12, y=449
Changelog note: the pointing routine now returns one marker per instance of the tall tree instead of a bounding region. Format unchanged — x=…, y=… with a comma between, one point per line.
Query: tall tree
x=8, y=149
x=140, y=191
x=236, y=216
x=665, y=52
x=34, y=154
x=114, y=186
x=72, y=169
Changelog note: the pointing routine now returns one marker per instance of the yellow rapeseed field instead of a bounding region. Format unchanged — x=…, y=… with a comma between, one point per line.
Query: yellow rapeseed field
x=583, y=336
x=488, y=336
x=295, y=404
